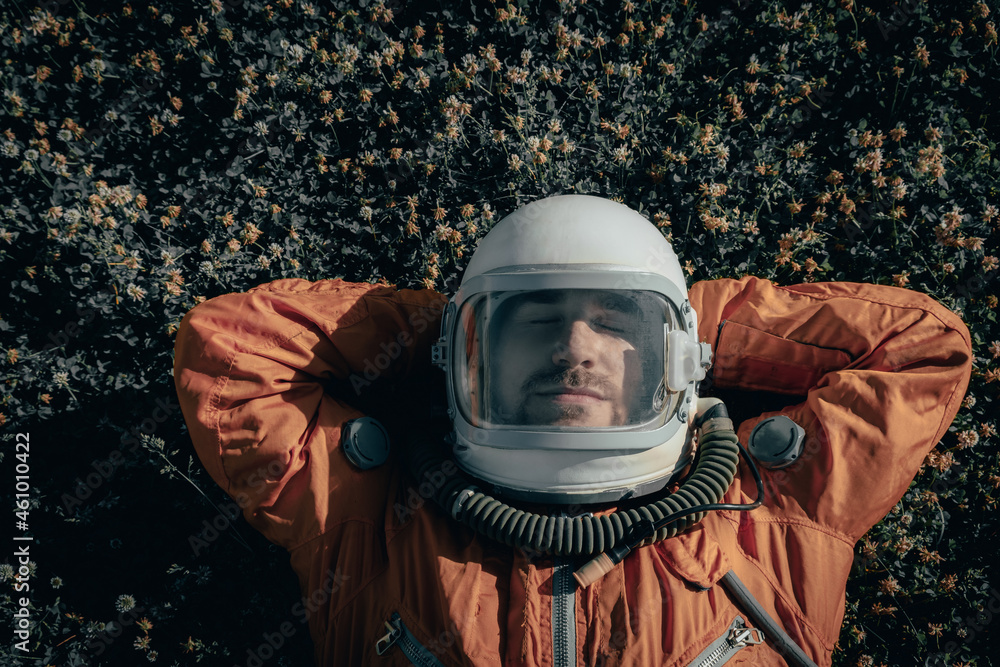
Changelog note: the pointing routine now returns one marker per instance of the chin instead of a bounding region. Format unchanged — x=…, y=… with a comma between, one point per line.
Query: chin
x=575, y=416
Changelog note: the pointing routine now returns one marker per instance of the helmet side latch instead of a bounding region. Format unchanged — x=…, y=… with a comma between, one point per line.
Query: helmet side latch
x=439, y=350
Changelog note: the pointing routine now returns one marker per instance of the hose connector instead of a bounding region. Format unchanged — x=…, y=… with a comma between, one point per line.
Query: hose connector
x=710, y=408
x=594, y=570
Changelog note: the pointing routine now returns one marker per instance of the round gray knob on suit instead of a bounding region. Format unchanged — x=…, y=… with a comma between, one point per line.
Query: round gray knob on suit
x=777, y=442
x=365, y=442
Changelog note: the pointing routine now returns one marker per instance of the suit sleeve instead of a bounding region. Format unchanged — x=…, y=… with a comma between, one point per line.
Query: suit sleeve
x=253, y=372
x=883, y=371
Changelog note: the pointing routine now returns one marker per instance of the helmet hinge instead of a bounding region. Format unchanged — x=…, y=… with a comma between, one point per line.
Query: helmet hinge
x=439, y=353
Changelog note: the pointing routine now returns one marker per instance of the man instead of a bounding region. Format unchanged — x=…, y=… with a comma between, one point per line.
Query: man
x=569, y=358
x=566, y=521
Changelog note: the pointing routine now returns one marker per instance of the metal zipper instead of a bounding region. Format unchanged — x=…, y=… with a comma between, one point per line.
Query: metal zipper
x=399, y=635
x=563, y=614
x=735, y=639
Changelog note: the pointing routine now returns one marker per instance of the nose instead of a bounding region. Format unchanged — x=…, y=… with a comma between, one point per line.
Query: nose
x=577, y=346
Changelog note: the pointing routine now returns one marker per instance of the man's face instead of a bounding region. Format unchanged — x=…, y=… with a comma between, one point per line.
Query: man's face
x=567, y=358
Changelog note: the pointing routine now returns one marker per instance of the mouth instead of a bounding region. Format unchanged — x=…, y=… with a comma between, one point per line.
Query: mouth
x=578, y=395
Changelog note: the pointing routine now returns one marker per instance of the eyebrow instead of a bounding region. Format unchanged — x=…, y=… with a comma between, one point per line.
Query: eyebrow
x=606, y=299
x=620, y=303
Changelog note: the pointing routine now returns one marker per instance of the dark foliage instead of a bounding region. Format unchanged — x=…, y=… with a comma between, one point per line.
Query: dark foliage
x=155, y=156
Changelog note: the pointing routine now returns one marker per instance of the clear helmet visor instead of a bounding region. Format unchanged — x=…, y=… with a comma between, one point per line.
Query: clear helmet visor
x=566, y=359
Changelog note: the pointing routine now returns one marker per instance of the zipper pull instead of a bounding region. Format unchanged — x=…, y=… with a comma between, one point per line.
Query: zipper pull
x=740, y=637
x=735, y=639
x=390, y=638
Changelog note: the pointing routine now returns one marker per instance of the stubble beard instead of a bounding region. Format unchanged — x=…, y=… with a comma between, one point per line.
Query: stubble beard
x=566, y=414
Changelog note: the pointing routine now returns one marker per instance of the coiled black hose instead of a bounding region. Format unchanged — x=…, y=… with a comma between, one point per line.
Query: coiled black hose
x=713, y=473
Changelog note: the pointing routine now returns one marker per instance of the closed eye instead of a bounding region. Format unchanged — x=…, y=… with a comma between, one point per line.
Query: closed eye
x=603, y=325
x=615, y=324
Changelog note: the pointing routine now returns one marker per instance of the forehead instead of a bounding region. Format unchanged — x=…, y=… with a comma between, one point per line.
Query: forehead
x=577, y=298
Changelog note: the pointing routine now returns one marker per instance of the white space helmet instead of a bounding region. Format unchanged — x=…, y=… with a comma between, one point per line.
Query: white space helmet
x=571, y=354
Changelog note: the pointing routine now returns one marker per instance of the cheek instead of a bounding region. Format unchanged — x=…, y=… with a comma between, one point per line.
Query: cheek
x=509, y=368
x=524, y=348
x=624, y=362
x=501, y=377
x=627, y=372
x=632, y=366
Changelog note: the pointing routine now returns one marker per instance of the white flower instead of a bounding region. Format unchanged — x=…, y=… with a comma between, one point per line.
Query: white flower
x=967, y=439
x=31, y=154
x=10, y=149
x=136, y=292
x=350, y=53
x=6, y=572
x=366, y=212
x=168, y=19
x=64, y=135
x=261, y=127
x=61, y=378
x=125, y=603
x=517, y=74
